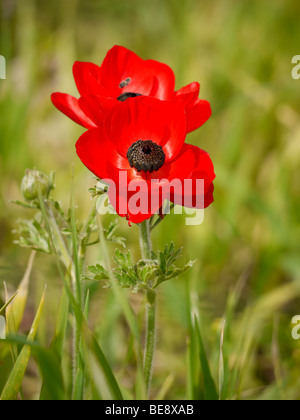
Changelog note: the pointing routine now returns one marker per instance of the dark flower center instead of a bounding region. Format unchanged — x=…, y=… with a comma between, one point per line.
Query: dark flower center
x=145, y=155
x=127, y=95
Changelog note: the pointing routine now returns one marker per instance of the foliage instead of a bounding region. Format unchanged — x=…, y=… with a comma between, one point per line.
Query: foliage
x=144, y=274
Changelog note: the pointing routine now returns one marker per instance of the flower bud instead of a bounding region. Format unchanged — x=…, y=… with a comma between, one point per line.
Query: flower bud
x=35, y=181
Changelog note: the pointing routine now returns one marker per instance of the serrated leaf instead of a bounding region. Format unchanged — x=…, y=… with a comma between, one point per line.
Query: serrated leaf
x=98, y=271
x=162, y=263
x=166, y=268
x=146, y=271
x=109, y=234
x=32, y=234
x=171, y=248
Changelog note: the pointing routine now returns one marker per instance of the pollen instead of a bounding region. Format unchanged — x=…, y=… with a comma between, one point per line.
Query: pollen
x=145, y=155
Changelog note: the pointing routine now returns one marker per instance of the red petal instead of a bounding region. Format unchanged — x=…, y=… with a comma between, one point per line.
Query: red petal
x=69, y=105
x=121, y=64
x=197, y=114
x=177, y=180
x=179, y=168
x=99, y=155
x=201, y=168
x=164, y=84
x=145, y=118
x=86, y=77
x=188, y=94
x=97, y=107
x=209, y=196
x=134, y=202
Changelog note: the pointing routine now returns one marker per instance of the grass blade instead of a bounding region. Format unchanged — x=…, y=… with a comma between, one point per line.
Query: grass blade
x=15, y=311
x=8, y=302
x=50, y=368
x=221, y=361
x=14, y=382
x=56, y=350
x=80, y=374
x=209, y=386
x=128, y=314
x=2, y=327
x=92, y=344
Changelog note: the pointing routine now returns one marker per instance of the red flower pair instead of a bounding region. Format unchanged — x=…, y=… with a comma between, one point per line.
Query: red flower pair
x=137, y=126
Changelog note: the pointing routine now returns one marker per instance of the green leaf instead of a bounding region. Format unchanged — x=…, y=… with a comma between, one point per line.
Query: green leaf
x=2, y=327
x=78, y=390
x=93, y=345
x=126, y=271
x=51, y=385
x=221, y=361
x=105, y=366
x=15, y=311
x=146, y=271
x=109, y=234
x=58, y=208
x=166, y=268
x=2, y=310
x=48, y=365
x=14, y=382
x=162, y=263
x=77, y=267
x=32, y=234
x=50, y=368
x=31, y=205
x=98, y=271
x=61, y=324
x=99, y=189
x=79, y=384
x=209, y=386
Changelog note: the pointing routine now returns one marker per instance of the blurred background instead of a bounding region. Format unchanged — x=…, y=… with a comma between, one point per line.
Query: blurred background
x=248, y=246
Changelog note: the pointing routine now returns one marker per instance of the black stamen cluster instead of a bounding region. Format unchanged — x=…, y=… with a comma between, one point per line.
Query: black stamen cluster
x=145, y=155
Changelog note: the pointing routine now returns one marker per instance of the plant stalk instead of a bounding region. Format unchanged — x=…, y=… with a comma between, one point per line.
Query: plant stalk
x=146, y=248
x=62, y=254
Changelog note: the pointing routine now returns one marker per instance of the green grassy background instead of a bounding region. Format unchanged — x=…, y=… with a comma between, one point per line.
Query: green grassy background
x=241, y=53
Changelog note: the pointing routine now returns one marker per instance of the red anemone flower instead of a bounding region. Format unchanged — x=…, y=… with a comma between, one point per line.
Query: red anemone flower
x=139, y=151
x=124, y=75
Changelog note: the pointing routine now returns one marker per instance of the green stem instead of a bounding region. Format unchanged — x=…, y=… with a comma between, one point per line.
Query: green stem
x=62, y=254
x=145, y=239
x=146, y=249
x=150, y=336
x=128, y=312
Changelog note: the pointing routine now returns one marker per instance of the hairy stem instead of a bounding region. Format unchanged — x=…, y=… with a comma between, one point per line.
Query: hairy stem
x=150, y=337
x=145, y=239
x=146, y=249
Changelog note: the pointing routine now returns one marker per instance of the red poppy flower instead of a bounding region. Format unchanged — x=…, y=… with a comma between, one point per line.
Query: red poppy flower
x=124, y=75
x=139, y=151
